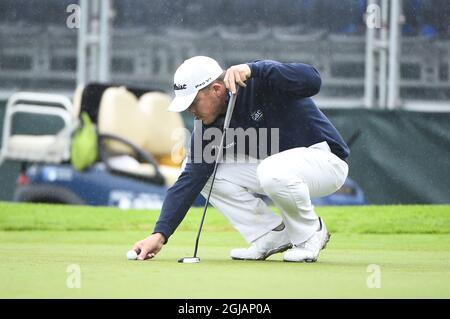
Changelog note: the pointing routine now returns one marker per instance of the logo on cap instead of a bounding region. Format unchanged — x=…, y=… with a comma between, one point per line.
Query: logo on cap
x=203, y=83
x=179, y=87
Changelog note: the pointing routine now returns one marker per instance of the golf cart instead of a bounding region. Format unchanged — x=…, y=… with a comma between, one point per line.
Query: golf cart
x=139, y=157
x=135, y=163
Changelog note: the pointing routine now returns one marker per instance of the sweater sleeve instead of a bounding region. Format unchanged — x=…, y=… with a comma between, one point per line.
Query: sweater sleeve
x=298, y=79
x=182, y=194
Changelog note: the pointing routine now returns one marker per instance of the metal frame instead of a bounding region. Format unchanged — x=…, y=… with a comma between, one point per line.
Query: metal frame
x=51, y=105
x=383, y=50
x=93, y=52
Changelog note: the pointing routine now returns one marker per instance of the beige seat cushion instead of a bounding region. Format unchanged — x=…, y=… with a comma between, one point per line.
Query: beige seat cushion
x=165, y=131
x=47, y=148
x=118, y=115
x=129, y=165
x=147, y=123
x=77, y=101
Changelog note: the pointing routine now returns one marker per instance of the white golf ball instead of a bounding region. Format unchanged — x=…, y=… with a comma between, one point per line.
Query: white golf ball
x=132, y=255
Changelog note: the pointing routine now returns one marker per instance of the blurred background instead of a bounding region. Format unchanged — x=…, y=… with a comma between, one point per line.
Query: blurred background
x=384, y=67
x=150, y=38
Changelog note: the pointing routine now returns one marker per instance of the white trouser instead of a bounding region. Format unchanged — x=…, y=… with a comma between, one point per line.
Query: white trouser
x=290, y=178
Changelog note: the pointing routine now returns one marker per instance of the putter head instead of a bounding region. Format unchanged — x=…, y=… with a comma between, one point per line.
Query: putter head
x=189, y=260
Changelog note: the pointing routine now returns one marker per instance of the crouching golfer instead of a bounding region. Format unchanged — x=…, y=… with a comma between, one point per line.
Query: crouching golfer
x=310, y=160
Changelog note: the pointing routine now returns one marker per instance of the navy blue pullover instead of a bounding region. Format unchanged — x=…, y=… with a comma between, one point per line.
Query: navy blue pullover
x=277, y=95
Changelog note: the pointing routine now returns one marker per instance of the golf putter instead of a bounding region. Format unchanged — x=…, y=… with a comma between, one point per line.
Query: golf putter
x=231, y=103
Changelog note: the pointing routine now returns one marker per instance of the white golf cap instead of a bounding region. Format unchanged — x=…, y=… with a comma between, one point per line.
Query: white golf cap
x=190, y=77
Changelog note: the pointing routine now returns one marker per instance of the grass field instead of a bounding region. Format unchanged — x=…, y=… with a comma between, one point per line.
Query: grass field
x=39, y=244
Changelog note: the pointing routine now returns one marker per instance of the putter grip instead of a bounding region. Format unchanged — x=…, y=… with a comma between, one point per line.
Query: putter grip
x=230, y=109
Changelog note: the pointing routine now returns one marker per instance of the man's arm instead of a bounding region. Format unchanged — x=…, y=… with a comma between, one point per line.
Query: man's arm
x=182, y=194
x=176, y=204
x=298, y=79
x=180, y=197
x=178, y=200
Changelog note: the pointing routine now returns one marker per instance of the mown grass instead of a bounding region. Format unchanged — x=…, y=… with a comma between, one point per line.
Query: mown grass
x=39, y=244
x=412, y=219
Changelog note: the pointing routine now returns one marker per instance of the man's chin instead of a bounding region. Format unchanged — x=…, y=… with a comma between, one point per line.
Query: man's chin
x=211, y=119
x=203, y=121
x=208, y=121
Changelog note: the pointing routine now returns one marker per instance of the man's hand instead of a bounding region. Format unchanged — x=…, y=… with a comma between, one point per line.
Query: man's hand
x=237, y=74
x=149, y=247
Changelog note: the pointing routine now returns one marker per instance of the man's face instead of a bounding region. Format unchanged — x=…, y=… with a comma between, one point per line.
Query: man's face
x=209, y=103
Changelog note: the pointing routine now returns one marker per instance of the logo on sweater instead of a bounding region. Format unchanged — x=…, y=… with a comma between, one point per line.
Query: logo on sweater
x=257, y=115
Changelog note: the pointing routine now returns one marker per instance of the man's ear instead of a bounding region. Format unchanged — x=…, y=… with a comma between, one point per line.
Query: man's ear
x=219, y=89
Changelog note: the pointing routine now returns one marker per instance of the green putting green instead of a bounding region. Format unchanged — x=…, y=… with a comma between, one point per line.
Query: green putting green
x=47, y=249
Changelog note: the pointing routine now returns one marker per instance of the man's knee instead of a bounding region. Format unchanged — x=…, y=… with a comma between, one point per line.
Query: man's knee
x=272, y=177
x=284, y=187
